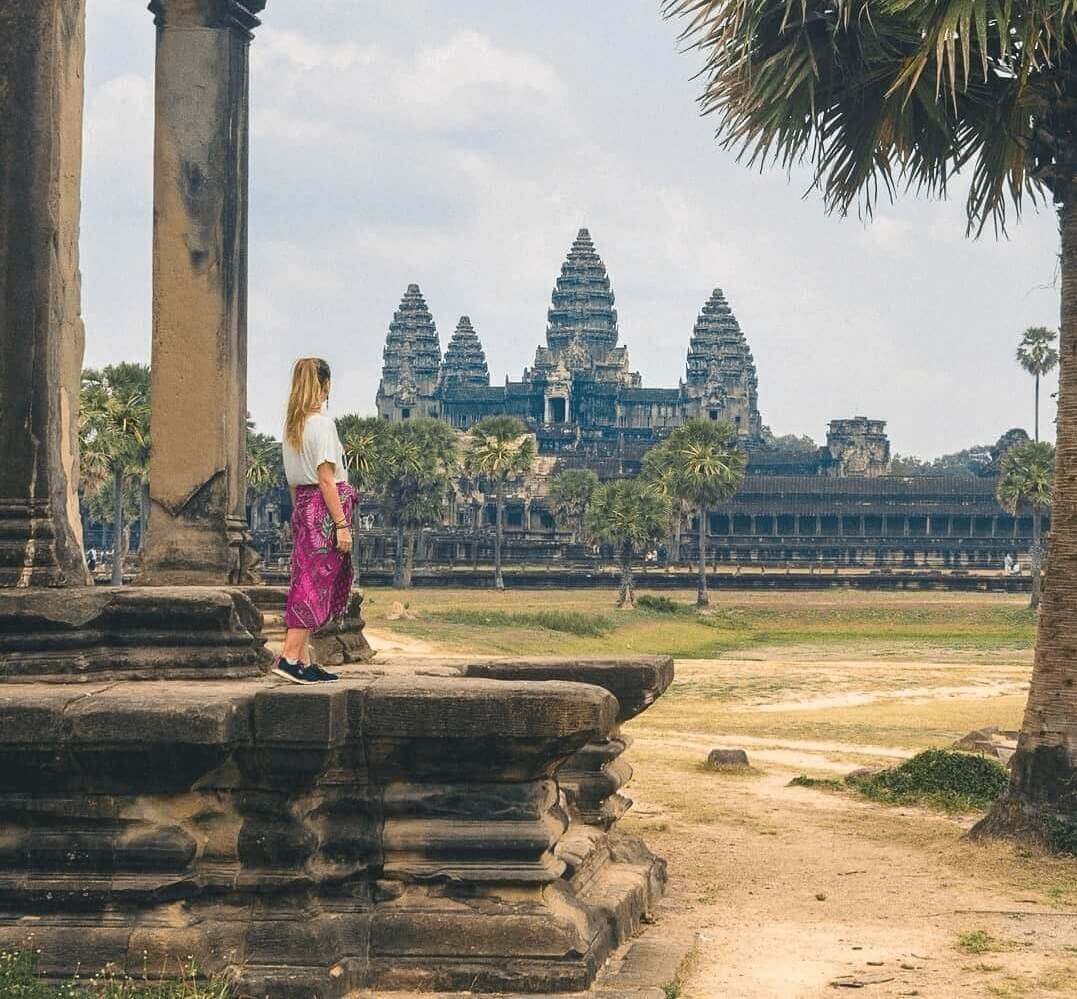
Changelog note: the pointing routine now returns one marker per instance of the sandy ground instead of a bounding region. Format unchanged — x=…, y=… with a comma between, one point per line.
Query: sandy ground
x=798, y=892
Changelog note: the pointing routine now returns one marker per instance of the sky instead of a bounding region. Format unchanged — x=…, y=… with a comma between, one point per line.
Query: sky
x=462, y=145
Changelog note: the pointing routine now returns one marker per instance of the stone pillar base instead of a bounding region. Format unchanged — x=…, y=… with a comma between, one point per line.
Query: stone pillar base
x=100, y=633
x=309, y=841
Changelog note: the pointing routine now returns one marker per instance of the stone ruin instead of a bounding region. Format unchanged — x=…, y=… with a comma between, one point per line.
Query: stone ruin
x=445, y=826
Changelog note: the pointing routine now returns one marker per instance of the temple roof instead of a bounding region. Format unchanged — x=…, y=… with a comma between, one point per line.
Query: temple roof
x=717, y=344
x=464, y=361
x=641, y=395
x=412, y=346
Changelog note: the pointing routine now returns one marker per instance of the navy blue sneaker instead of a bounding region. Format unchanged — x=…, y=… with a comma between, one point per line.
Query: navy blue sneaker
x=320, y=675
x=296, y=672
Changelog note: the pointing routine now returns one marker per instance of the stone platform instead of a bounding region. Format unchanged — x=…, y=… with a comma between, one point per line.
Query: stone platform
x=391, y=831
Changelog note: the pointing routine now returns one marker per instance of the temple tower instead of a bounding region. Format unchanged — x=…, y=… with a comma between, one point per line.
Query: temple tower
x=721, y=380
x=464, y=362
x=582, y=322
x=581, y=337
x=860, y=445
x=411, y=361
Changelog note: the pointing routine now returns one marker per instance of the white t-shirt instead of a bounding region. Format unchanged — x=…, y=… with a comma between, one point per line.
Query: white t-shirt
x=321, y=443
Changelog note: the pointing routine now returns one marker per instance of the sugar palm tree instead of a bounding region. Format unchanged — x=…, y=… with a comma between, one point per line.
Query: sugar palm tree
x=570, y=494
x=360, y=436
x=264, y=467
x=499, y=448
x=630, y=515
x=877, y=94
x=414, y=465
x=114, y=440
x=1037, y=355
x=661, y=472
x=706, y=468
x=1025, y=478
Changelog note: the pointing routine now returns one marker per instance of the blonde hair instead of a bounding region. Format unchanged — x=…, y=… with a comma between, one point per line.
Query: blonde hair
x=310, y=378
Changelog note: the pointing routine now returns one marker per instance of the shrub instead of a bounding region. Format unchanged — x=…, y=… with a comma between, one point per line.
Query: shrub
x=940, y=778
x=656, y=603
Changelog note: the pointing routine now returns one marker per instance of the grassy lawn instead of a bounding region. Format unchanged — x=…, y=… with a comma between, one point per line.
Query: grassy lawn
x=586, y=621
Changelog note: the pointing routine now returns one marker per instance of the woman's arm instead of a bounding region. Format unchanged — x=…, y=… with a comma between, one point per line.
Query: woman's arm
x=327, y=483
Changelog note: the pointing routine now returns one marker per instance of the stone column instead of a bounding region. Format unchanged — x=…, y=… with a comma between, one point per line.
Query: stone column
x=42, y=45
x=198, y=531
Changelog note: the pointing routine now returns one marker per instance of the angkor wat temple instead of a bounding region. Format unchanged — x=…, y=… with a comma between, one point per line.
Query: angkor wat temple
x=839, y=503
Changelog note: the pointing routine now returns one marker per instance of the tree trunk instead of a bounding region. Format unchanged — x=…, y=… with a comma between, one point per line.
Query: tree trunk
x=118, y=539
x=143, y=512
x=499, y=582
x=409, y=559
x=1036, y=419
x=398, y=565
x=1037, y=557
x=678, y=522
x=702, y=596
x=627, y=595
x=1040, y=805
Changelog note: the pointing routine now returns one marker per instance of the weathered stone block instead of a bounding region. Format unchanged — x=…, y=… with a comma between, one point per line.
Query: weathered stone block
x=374, y=833
x=719, y=758
x=104, y=633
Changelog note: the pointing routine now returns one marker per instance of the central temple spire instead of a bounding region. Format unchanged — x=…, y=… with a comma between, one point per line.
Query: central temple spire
x=582, y=321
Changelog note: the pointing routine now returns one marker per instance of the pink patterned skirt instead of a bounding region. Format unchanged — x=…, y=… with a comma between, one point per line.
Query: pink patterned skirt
x=321, y=574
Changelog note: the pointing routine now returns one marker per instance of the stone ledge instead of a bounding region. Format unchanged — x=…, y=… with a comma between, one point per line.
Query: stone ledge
x=383, y=831
x=95, y=633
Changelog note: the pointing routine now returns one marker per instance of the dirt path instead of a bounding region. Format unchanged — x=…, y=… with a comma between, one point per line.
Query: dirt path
x=388, y=642
x=796, y=892
x=790, y=890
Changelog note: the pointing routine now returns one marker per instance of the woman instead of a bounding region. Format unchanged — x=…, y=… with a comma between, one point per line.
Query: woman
x=323, y=502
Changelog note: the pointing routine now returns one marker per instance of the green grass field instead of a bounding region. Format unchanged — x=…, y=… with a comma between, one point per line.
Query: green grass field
x=586, y=621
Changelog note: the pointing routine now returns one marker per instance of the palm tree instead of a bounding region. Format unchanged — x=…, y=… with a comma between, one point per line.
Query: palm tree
x=114, y=440
x=360, y=436
x=499, y=448
x=907, y=92
x=1037, y=355
x=631, y=516
x=660, y=471
x=705, y=468
x=570, y=493
x=264, y=467
x=414, y=466
x=1025, y=481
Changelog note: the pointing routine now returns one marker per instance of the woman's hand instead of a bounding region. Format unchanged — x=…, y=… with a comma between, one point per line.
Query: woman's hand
x=344, y=539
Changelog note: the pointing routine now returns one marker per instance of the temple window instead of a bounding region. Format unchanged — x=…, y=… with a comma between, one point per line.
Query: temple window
x=405, y=413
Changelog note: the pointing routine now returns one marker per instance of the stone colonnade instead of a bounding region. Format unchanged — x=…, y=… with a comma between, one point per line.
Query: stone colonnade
x=197, y=532
x=42, y=45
